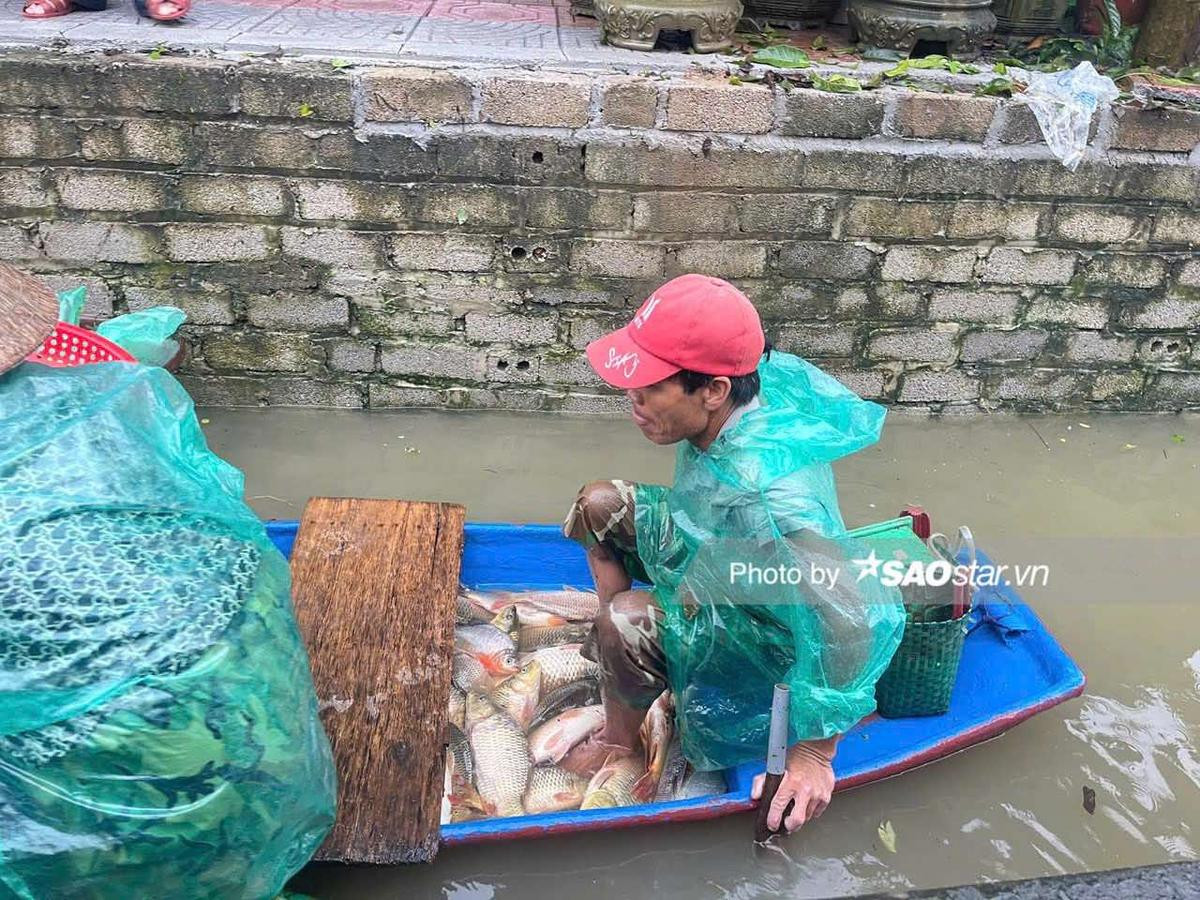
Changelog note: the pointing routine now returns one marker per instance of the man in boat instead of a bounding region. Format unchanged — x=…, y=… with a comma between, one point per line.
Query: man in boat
x=756, y=431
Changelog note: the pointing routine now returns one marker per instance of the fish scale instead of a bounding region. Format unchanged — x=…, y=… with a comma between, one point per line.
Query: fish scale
x=561, y=665
x=518, y=695
x=501, y=763
x=613, y=784
x=535, y=637
x=552, y=789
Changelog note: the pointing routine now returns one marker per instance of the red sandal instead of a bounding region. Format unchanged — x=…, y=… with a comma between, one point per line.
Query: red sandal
x=163, y=10
x=51, y=9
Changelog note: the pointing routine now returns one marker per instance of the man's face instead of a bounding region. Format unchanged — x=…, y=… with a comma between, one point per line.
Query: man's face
x=667, y=414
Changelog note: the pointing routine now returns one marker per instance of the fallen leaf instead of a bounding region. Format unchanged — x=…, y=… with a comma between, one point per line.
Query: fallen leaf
x=1177, y=438
x=306, y=111
x=1089, y=800
x=461, y=216
x=818, y=43
x=1129, y=447
x=887, y=834
x=783, y=56
x=204, y=421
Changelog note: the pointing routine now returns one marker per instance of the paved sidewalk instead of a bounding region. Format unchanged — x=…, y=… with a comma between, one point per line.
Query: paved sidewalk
x=489, y=31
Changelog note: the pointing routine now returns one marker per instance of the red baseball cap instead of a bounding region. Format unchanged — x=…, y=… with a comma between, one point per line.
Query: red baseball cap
x=692, y=322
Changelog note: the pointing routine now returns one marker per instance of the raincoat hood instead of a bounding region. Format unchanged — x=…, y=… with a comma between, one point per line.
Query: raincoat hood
x=804, y=417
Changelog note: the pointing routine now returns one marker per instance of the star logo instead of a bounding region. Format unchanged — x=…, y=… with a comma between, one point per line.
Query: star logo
x=869, y=566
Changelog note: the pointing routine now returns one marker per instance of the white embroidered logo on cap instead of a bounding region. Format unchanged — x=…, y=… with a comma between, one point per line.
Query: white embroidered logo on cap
x=626, y=362
x=643, y=315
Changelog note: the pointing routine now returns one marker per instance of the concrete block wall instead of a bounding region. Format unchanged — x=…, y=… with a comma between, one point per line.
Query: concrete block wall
x=415, y=236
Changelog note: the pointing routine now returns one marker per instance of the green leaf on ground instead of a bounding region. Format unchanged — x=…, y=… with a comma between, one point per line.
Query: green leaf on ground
x=931, y=62
x=306, y=111
x=782, y=56
x=735, y=79
x=1000, y=68
x=1177, y=439
x=340, y=63
x=837, y=84
x=158, y=51
x=997, y=87
x=461, y=216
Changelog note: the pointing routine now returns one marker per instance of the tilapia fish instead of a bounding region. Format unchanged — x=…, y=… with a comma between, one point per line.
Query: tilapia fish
x=488, y=602
x=702, y=784
x=469, y=674
x=501, y=764
x=567, y=696
x=457, y=707
x=464, y=801
x=552, y=789
x=531, y=615
x=674, y=773
x=613, y=784
x=535, y=637
x=578, y=606
x=656, y=732
x=518, y=695
x=468, y=612
x=561, y=665
x=478, y=708
x=490, y=646
x=506, y=620
x=552, y=741
x=460, y=752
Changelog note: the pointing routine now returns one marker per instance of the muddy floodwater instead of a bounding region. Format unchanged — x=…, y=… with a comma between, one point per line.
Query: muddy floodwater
x=1112, y=509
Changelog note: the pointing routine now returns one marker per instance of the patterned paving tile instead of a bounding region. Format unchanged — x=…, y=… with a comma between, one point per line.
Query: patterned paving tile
x=374, y=7
x=492, y=11
x=290, y=25
x=487, y=36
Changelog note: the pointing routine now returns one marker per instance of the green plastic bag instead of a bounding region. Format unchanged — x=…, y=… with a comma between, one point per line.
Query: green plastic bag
x=70, y=304
x=760, y=500
x=146, y=333
x=159, y=734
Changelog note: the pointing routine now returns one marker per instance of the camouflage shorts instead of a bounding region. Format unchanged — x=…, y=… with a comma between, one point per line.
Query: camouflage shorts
x=626, y=641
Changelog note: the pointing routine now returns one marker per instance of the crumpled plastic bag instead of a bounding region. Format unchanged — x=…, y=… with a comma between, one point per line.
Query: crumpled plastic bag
x=70, y=304
x=761, y=499
x=146, y=333
x=159, y=734
x=1063, y=103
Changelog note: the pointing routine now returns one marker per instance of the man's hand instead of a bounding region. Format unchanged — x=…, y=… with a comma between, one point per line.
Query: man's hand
x=807, y=780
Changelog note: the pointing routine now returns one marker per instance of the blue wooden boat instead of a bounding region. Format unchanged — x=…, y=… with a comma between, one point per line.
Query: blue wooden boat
x=1012, y=668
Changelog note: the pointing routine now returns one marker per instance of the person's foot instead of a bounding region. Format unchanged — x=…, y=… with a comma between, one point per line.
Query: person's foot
x=46, y=9
x=164, y=10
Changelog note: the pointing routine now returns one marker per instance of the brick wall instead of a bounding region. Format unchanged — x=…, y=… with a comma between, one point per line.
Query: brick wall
x=406, y=236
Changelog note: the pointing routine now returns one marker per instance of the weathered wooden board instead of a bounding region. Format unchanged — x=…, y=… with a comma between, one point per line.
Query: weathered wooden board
x=374, y=583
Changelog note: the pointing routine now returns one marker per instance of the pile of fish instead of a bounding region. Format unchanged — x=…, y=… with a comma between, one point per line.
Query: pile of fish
x=524, y=704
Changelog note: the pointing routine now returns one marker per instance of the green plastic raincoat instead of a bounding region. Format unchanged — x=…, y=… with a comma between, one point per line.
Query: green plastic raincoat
x=731, y=549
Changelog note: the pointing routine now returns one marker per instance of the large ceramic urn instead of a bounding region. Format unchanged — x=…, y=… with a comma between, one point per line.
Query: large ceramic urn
x=635, y=24
x=952, y=27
